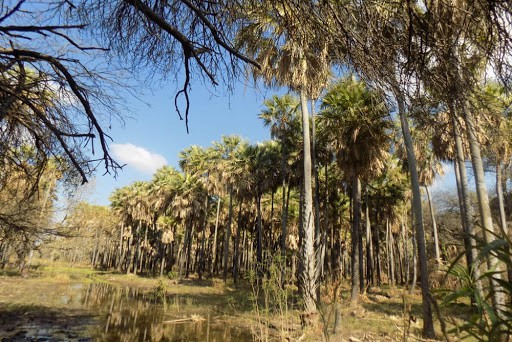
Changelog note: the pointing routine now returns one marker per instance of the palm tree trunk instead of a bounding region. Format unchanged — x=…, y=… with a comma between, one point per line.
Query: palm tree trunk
x=120, y=256
x=284, y=222
x=202, y=254
x=316, y=199
x=236, y=261
x=369, y=246
x=501, y=205
x=143, y=249
x=183, y=254
x=227, y=235
x=428, y=323
x=189, y=249
x=163, y=248
x=434, y=225
x=355, y=237
x=484, y=209
x=308, y=274
x=391, y=245
x=214, y=247
x=464, y=202
x=130, y=254
x=259, y=239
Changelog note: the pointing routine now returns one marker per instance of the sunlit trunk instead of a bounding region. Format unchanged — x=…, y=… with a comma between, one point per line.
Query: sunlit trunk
x=214, y=246
x=308, y=274
x=498, y=298
x=228, y=235
x=428, y=323
x=236, y=257
x=466, y=207
x=434, y=225
x=259, y=239
x=501, y=205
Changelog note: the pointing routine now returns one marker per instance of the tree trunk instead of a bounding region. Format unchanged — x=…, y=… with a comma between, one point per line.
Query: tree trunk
x=465, y=203
x=355, y=237
x=162, y=258
x=214, y=246
x=369, y=246
x=121, y=249
x=236, y=256
x=498, y=298
x=428, y=323
x=228, y=235
x=316, y=200
x=503, y=216
x=284, y=235
x=434, y=225
x=202, y=253
x=143, y=249
x=259, y=239
x=308, y=274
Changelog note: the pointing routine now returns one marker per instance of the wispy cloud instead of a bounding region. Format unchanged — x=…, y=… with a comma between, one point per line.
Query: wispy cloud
x=138, y=157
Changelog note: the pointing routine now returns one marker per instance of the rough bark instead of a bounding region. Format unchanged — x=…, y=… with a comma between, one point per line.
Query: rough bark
x=355, y=237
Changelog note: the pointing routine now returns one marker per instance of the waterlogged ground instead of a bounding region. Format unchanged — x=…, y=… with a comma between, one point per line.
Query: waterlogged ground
x=59, y=303
x=66, y=309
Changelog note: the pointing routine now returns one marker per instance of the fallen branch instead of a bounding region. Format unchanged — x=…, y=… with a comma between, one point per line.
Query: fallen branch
x=191, y=319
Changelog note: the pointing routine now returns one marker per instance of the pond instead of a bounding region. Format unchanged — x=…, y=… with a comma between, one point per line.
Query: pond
x=103, y=312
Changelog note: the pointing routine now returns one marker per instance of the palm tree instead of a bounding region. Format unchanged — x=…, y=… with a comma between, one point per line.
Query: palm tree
x=224, y=166
x=291, y=57
x=460, y=27
x=261, y=161
x=281, y=116
x=359, y=124
x=428, y=162
x=379, y=40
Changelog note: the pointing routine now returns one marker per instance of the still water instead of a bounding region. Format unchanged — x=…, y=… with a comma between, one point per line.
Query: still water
x=125, y=314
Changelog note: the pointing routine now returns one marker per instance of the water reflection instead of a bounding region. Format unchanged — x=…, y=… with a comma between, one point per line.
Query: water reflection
x=129, y=315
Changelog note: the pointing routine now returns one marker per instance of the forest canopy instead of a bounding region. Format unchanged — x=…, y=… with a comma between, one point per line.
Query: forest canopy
x=422, y=82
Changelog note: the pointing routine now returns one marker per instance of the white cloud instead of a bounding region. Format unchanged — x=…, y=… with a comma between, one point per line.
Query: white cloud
x=138, y=157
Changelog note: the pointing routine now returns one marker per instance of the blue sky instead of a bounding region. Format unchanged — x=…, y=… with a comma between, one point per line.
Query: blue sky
x=155, y=135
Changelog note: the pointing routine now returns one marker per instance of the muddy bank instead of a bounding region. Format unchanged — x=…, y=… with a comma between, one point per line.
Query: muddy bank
x=40, y=323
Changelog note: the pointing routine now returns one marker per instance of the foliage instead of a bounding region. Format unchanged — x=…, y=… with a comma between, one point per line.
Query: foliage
x=27, y=195
x=485, y=322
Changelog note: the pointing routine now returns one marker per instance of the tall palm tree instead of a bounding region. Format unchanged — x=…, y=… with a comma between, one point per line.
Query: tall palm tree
x=290, y=56
x=280, y=115
x=358, y=123
x=458, y=30
x=261, y=165
x=225, y=154
x=379, y=39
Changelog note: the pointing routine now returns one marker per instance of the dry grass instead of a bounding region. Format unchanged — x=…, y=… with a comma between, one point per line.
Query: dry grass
x=389, y=314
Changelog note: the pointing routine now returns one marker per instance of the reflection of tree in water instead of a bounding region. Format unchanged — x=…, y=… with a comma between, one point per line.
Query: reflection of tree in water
x=129, y=315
